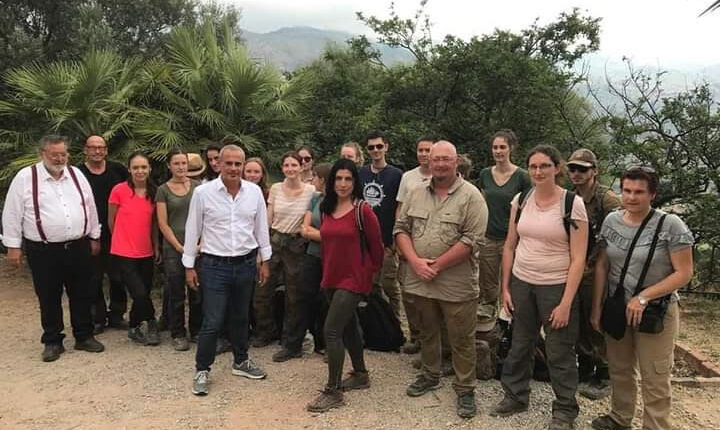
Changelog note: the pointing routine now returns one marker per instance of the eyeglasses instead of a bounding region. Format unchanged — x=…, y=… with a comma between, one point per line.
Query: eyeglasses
x=543, y=166
x=575, y=168
x=443, y=159
x=378, y=147
x=95, y=148
x=306, y=159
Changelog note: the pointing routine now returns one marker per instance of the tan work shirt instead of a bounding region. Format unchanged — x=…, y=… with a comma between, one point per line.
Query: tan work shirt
x=434, y=227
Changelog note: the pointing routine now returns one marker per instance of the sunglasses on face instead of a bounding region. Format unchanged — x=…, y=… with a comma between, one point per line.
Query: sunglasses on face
x=306, y=159
x=379, y=147
x=575, y=168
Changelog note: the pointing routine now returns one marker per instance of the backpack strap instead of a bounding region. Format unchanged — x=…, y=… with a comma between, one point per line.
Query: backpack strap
x=82, y=197
x=567, y=213
x=360, y=224
x=36, y=205
x=522, y=200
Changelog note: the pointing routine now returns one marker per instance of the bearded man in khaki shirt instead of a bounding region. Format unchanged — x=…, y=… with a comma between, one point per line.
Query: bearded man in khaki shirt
x=438, y=231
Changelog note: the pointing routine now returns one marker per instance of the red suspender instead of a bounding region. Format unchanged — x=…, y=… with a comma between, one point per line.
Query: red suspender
x=36, y=205
x=82, y=198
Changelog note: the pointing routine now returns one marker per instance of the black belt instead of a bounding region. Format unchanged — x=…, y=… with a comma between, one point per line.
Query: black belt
x=231, y=260
x=56, y=245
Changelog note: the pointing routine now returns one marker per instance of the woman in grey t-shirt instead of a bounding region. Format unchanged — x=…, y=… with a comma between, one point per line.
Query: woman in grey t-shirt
x=670, y=269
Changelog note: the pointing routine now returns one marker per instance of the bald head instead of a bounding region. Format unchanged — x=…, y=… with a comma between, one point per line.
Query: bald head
x=95, y=139
x=95, y=151
x=443, y=163
x=443, y=147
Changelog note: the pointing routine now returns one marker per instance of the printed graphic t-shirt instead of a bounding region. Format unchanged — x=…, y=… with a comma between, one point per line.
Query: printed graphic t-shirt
x=380, y=192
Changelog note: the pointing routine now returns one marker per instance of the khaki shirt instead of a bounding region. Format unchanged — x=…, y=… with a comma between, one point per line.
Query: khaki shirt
x=601, y=203
x=436, y=226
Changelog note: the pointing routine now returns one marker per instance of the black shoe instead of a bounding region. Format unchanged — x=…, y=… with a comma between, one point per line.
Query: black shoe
x=422, y=385
x=222, y=346
x=52, y=352
x=118, y=324
x=152, y=335
x=466, y=407
x=193, y=338
x=606, y=422
x=507, y=407
x=285, y=355
x=98, y=328
x=90, y=345
x=596, y=389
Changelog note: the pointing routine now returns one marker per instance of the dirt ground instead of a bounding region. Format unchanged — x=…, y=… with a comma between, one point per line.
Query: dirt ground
x=136, y=387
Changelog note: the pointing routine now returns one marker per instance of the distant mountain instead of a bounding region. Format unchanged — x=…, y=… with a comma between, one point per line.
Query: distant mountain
x=293, y=47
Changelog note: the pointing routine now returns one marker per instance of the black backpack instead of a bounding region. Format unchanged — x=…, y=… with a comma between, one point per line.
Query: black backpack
x=567, y=209
x=380, y=327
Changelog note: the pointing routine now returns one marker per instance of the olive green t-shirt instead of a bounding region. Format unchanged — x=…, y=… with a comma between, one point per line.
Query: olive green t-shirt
x=177, y=209
x=498, y=199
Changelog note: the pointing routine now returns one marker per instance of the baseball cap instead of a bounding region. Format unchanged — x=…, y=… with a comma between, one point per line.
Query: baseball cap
x=583, y=157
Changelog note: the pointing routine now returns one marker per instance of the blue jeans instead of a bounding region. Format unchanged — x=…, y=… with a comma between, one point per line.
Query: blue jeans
x=227, y=286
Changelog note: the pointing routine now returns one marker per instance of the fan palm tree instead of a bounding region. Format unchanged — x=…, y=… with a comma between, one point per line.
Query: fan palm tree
x=72, y=98
x=210, y=88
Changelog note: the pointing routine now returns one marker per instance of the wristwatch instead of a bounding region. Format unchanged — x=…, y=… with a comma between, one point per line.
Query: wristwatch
x=643, y=301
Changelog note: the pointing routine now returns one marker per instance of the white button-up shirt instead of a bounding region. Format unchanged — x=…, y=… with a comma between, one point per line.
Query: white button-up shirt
x=61, y=210
x=229, y=227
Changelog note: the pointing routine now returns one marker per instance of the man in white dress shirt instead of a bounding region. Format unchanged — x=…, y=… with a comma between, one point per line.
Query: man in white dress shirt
x=50, y=207
x=230, y=216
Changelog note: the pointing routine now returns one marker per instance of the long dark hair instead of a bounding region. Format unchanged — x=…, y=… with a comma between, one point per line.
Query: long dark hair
x=209, y=172
x=150, y=188
x=330, y=201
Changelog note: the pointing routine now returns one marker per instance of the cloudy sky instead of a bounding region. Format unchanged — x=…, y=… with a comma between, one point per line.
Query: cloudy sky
x=668, y=33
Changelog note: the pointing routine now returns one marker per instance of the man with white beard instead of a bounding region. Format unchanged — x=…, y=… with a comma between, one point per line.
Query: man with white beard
x=50, y=209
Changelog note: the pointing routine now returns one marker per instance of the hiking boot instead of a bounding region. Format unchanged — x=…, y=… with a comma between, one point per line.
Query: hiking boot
x=412, y=347
x=136, y=334
x=356, y=381
x=119, y=324
x=98, y=328
x=52, y=352
x=180, y=344
x=596, y=389
x=507, y=407
x=560, y=424
x=90, y=345
x=466, y=407
x=201, y=382
x=422, y=385
x=222, y=346
x=152, y=335
x=248, y=369
x=328, y=399
x=285, y=355
x=606, y=422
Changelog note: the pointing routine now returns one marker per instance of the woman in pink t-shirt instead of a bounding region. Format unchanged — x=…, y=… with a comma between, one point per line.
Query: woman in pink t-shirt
x=542, y=265
x=134, y=242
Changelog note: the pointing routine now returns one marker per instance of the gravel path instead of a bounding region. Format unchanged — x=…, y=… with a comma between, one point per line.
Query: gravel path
x=136, y=387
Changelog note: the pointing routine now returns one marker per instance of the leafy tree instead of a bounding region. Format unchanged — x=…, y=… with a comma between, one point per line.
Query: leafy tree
x=457, y=89
x=679, y=136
